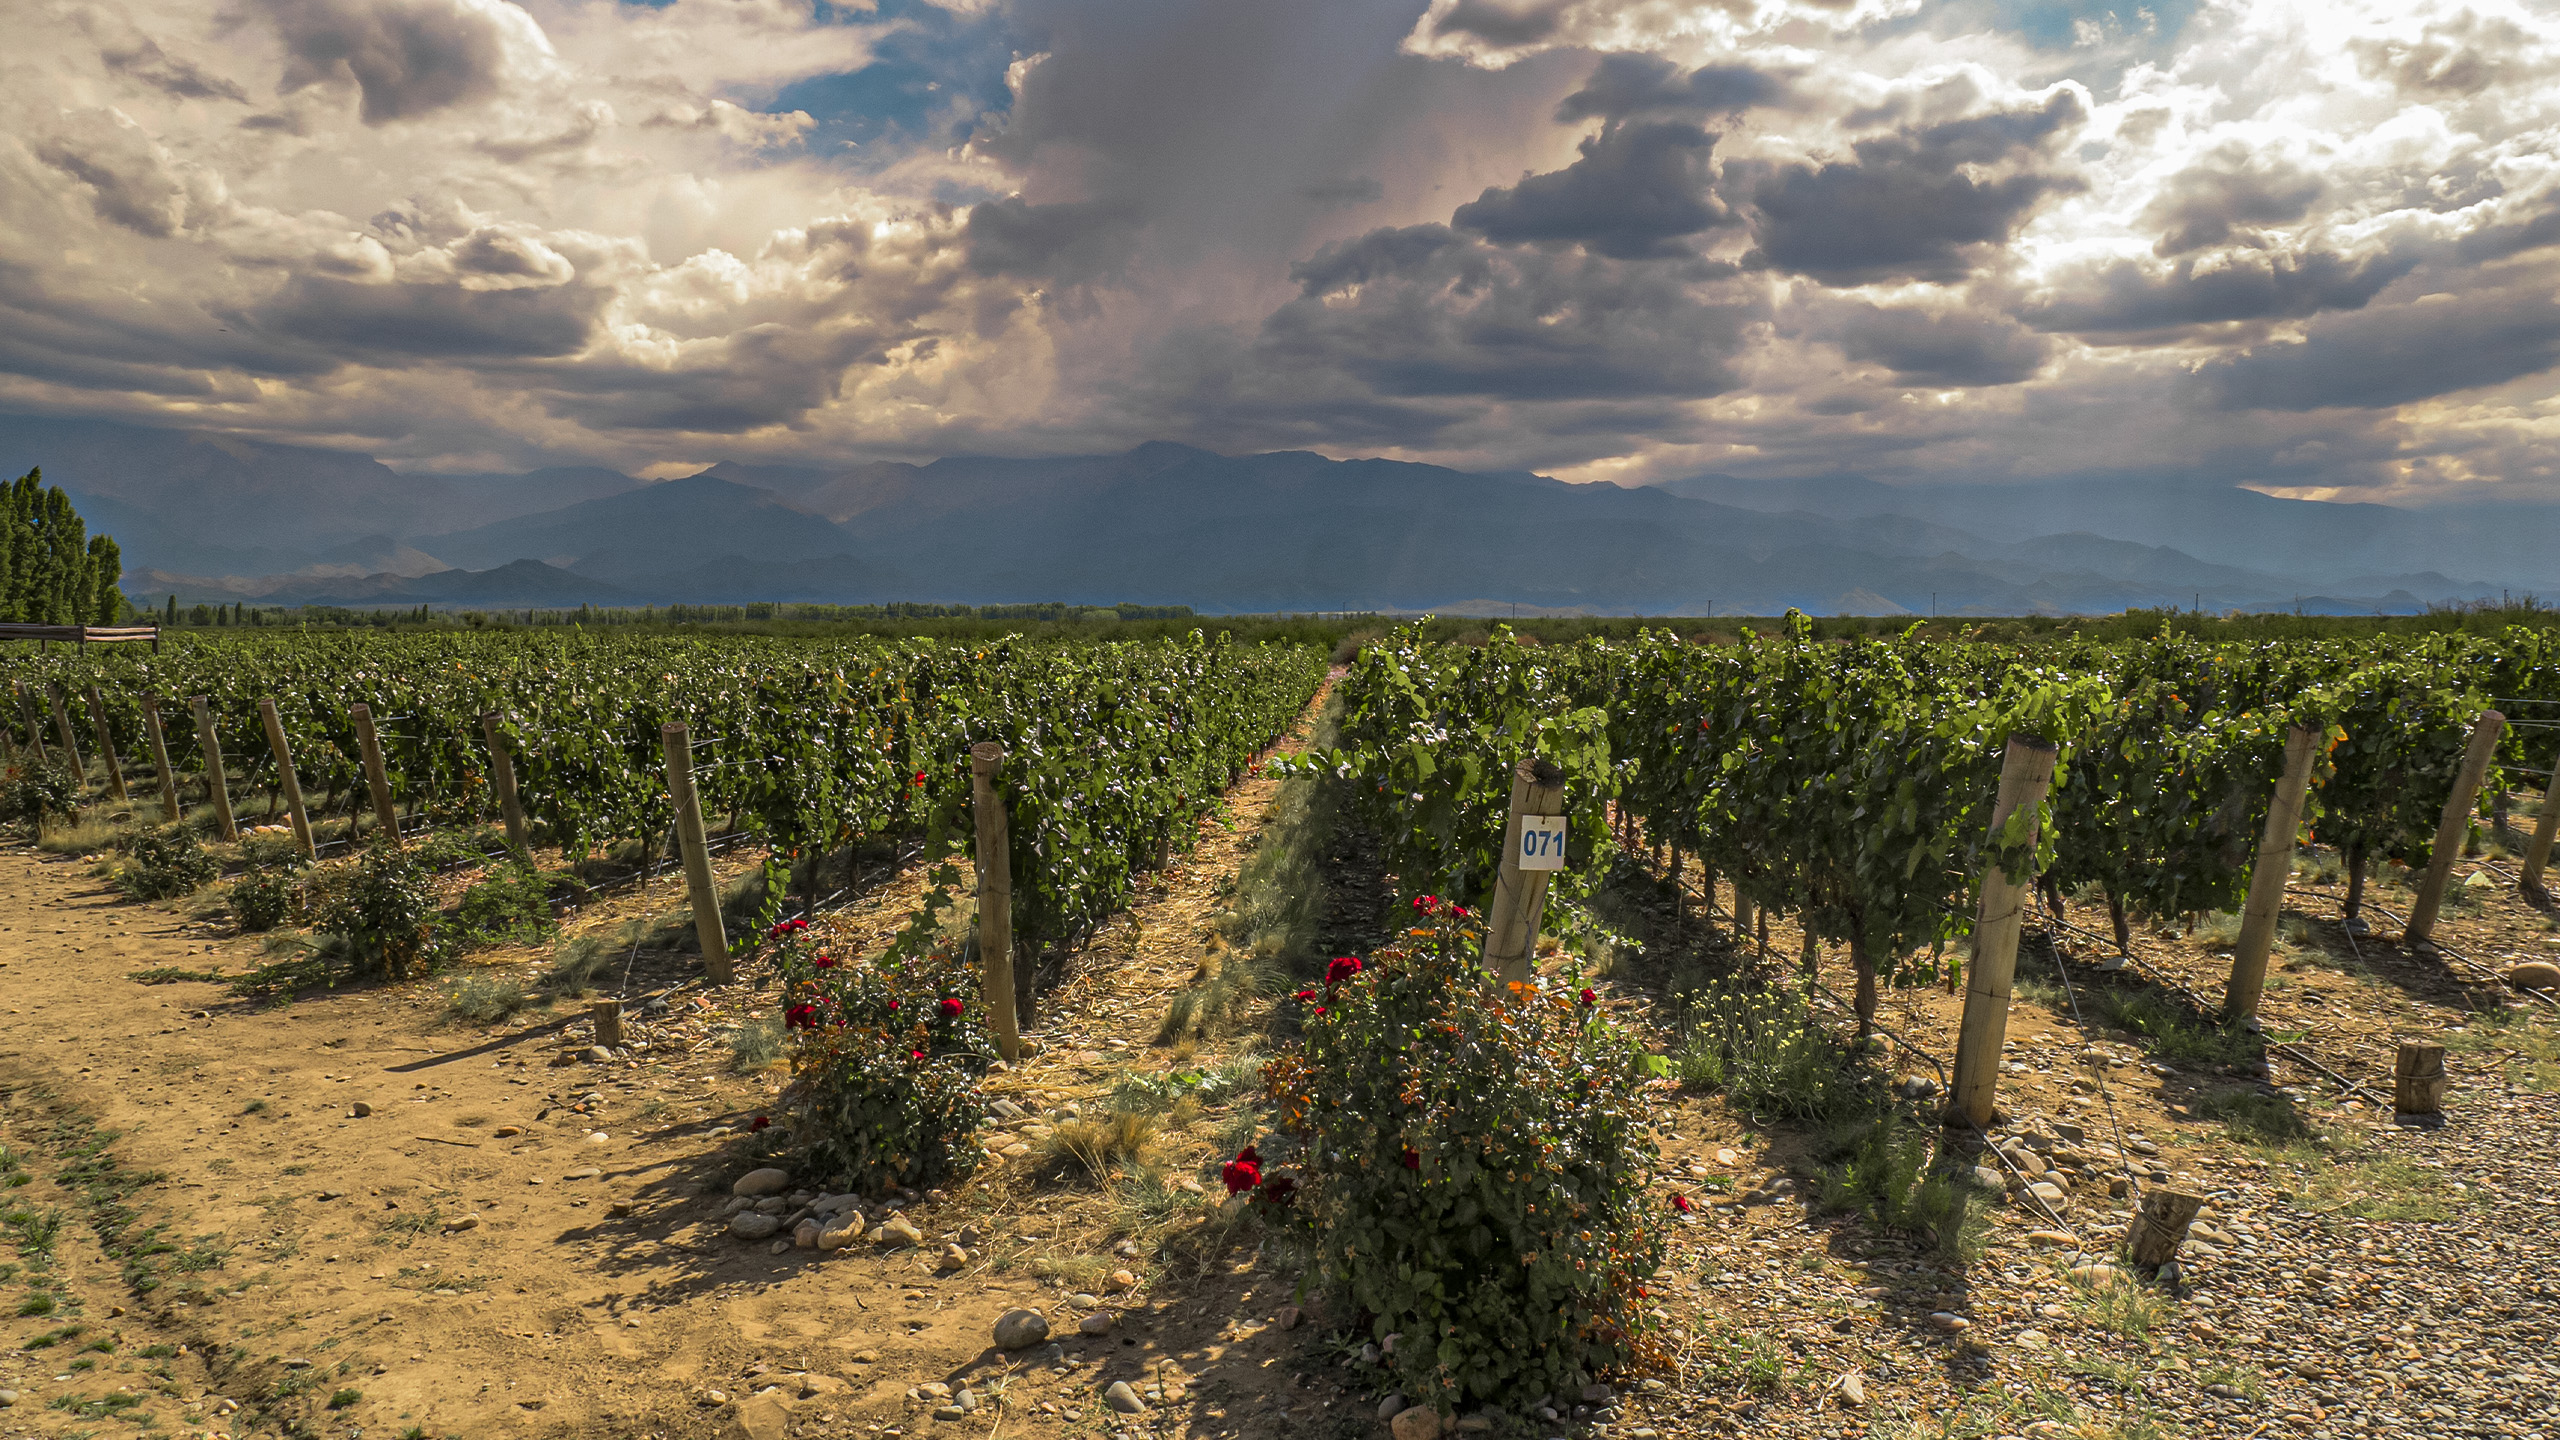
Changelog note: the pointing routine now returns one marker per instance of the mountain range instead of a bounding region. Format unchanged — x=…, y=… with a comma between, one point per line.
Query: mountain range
x=208, y=517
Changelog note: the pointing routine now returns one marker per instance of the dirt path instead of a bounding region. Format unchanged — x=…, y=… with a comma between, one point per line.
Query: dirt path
x=346, y=1213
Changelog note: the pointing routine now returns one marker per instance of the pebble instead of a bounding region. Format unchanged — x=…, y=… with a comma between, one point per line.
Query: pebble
x=1853, y=1391
x=2051, y=1237
x=2534, y=975
x=805, y=1235
x=1016, y=1329
x=1120, y=1280
x=953, y=1257
x=460, y=1223
x=1096, y=1324
x=767, y=1181
x=840, y=1231
x=1420, y=1422
x=1391, y=1406
x=8, y=1398
x=359, y=1110
x=898, y=1232
x=1124, y=1399
x=1949, y=1321
x=754, y=1224
x=1288, y=1317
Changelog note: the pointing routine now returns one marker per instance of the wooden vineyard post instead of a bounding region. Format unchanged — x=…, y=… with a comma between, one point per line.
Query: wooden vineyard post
x=502, y=774
x=1519, y=895
x=995, y=899
x=698, y=881
x=107, y=745
x=2418, y=1079
x=2161, y=1227
x=386, y=816
x=607, y=1015
x=286, y=780
x=2266, y=879
x=62, y=733
x=159, y=740
x=35, y=726
x=216, y=783
x=2537, y=854
x=2455, y=824
x=2026, y=772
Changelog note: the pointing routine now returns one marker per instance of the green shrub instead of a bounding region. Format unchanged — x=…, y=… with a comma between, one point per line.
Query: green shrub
x=1474, y=1168
x=165, y=864
x=512, y=906
x=885, y=1060
x=1763, y=1049
x=263, y=899
x=384, y=913
x=30, y=791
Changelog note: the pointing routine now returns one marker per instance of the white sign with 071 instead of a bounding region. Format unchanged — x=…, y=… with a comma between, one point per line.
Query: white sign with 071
x=1542, y=842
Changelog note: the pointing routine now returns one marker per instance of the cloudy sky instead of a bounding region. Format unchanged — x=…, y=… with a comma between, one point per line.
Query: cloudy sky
x=2313, y=247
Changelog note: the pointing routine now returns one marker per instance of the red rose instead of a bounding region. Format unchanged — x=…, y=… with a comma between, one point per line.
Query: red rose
x=800, y=1017
x=1588, y=998
x=893, y=1004
x=1242, y=1173
x=1411, y=1160
x=1304, y=995
x=915, y=1054
x=919, y=780
x=1278, y=1192
x=1340, y=970
x=826, y=962
x=758, y=1123
x=951, y=1008
x=1680, y=1203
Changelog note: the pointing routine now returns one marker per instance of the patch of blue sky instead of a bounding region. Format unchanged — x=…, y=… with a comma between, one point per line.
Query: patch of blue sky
x=932, y=77
x=2130, y=29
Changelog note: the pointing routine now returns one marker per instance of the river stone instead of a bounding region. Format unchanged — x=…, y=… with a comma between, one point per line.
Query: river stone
x=1420, y=1422
x=1122, y=1398
x=754, y=1225
x=805, y=1234
x=767, y=1181
x=898, y=1231
x=2534, y=975
x=840, y=1231
x=1016, y=1329
x=1098, y=1323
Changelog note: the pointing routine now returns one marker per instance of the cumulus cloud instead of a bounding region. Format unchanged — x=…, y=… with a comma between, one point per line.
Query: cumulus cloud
x=2309, y=246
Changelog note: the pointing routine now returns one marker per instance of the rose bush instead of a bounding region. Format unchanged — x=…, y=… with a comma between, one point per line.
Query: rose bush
x=1472, y=1169
x=885, y=1060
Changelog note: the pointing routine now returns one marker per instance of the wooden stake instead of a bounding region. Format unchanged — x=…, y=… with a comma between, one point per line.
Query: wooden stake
x=502, y=774
x=2026, y=772
x=35, y=726
x=62, y=732
x=216, y=783
x=2267, y=877
x=2161, y=1227
x=2453, y=827
x=1520, y=896
x=159, y=740
x=107, y=746
x=2538, y=853
x=995, y=899
x=607, y=1015
x=698, y=881
x=2417, y=1078
x=286, y=780
x=386, y=816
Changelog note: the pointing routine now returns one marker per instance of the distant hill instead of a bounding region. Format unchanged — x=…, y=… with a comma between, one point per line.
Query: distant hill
x=213, y=518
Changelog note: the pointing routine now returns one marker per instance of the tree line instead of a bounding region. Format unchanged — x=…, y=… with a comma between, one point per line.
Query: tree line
x=52, y=571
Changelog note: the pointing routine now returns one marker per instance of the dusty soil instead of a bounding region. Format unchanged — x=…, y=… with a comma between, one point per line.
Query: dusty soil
x=346, y=1214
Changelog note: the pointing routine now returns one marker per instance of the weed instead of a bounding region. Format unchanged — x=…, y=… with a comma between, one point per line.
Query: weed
x=2244, y=1378
x=1763, y=1049
x=2255, y=1115
x=40, y=1303
x=578, y=965
x=484, y=999
x=1096, y=1149
x=2121, y=1305
x=2528, y=1042
x=2173, y=1031
x=172, y=975
x=33, y=1231
x=165, y=864
x=755, y=1045
x=1883, y=1172
x=1217, y=998
x=263, y=899
x=2379, y=1187
x=345, y=1398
